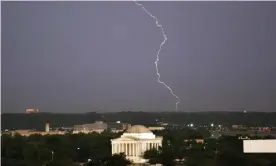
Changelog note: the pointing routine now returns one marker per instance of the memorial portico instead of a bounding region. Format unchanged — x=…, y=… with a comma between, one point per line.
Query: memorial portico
x=134, y=142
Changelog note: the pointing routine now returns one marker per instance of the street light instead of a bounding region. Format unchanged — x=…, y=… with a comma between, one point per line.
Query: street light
x=78, y=149
x=216, y=154
x=52, y=155
x=212, y=125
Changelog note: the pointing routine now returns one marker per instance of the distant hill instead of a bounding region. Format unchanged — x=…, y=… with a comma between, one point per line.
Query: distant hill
x=37, y=121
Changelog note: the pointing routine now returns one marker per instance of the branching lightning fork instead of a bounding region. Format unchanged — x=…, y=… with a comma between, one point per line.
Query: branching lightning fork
x=157, y=56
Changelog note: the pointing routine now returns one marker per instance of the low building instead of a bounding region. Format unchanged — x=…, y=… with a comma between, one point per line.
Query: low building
x=32, y=110
x=118, y=126
x=199, y=140
x=259, y=146
x=134, y=142
x=243, y=137
x=98, y=126
x=32, y=132
x=156, y=128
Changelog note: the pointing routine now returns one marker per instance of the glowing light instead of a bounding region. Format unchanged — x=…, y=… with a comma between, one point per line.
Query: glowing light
x=212, y=125
x=191, y=125
x=157, y=56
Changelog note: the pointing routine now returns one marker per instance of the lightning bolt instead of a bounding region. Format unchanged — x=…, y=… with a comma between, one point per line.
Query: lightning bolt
x=157, y=56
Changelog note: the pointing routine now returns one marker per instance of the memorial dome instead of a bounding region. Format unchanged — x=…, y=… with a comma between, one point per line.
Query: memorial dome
x=138, y=129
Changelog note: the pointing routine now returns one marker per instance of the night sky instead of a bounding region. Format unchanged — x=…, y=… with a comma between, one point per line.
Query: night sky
x=89, y=56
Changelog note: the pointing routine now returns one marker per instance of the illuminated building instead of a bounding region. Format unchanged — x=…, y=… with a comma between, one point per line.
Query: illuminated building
x=134, y=142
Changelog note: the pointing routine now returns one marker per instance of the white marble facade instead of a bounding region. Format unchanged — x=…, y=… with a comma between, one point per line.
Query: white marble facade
x=134, y=142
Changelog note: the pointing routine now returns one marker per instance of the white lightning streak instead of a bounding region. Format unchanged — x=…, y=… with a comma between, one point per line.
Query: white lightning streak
x=157, y=56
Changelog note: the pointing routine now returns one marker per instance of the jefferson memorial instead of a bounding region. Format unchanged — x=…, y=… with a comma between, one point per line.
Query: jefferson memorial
x=134, y=142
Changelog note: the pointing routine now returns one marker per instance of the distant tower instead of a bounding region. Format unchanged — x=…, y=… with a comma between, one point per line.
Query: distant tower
x=47, y=126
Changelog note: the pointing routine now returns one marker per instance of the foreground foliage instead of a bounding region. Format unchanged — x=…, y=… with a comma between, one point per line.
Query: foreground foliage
x=226, y=151
x=55, y=149
x=71, y=149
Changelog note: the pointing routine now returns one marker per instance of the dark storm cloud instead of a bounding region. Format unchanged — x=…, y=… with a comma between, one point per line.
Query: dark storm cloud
x=82, y=56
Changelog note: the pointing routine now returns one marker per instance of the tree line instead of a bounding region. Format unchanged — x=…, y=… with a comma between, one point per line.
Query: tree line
x=225, y=151
x=70, y=149
x=60, y=150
